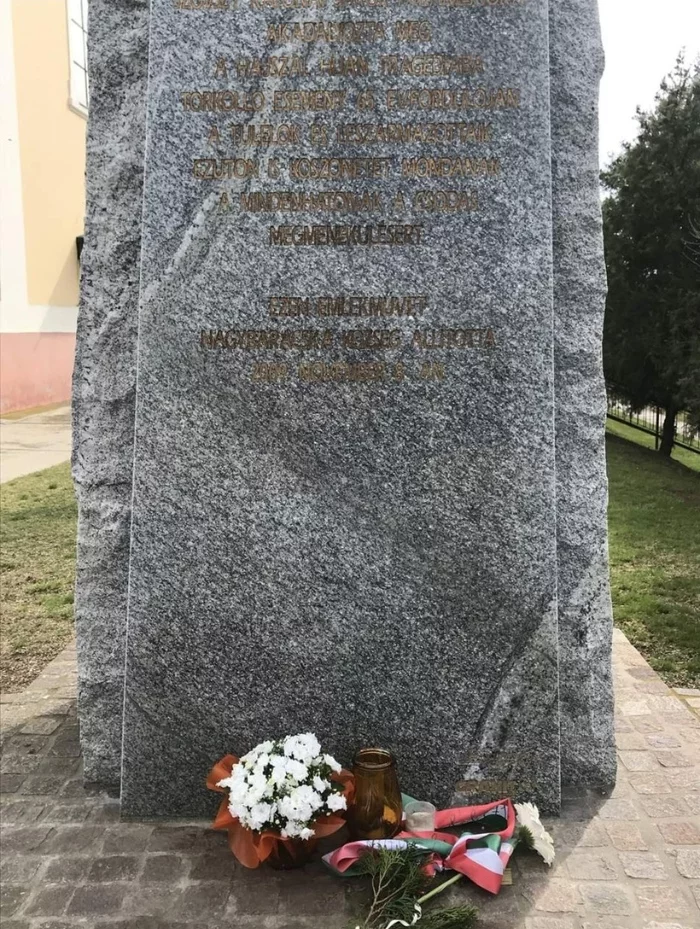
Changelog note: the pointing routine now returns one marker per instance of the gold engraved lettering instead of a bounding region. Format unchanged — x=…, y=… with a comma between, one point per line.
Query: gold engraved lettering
x=269, y=373
x=356, y=305
x=446, y=201
x=265, y=134
x=221, y=69
x=263, y=5
x=371, y=339
x=332, y=169
x=407, y=133
x=450, y=167
x=216, y=169
x=479, y=98
x=368, y=236
x=211, y=6
x=282, y=66
x=290, y=306
x=224, y=203
x=214, y=137
x=255, y=340
x=413, y=31
x=357, y=32
x=331, y=201
x=300, y=101
x=430, y=65
x=431, y=371
x=341, y=66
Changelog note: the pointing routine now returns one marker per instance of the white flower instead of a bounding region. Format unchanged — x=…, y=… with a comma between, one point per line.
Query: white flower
x=336, y=802
x=532, y=833
x=332, y=763
x=298, y=770
x=320, y=785
x=306, y=834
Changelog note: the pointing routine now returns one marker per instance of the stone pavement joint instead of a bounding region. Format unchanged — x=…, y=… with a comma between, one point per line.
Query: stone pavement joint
x=627, y=861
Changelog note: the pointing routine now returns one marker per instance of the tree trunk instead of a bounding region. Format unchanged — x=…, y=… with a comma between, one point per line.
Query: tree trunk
x=669, y=431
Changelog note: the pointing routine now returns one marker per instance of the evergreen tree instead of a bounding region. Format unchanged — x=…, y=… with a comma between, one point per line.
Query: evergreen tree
x=652, y=245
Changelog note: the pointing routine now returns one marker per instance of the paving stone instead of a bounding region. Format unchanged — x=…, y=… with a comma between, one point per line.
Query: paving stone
x=684, y=780
x=680, y=833
x=66, y=869
x=19, y=764
x=630, y=741
x=587, y=866
x=556, y=896
x=650, y=783
x=18, y=869
x=49, y=900
x=551, y=922
x=639, y=761
x=42, y=725
x=98, y=899
x=626, y=836
x=218, y=867
x=24, y=838
x=20, y=811
x=255, y=897
x=647, y=724
x=607, y=898
x=163, y=868
x=161, y=899
x=38, y=785
x=643, y=866
x=670, y=759
x=172, y=838
x=24, y=745
x=618, y=809
x=688, y=862
x=74, y=813
x=665, y=807
x=203, y=900
x=129, y=837
x=663, y=741
x=70, y=839
x=660, y=902
x=114, y=868
x=10, y=783
x=12, y=896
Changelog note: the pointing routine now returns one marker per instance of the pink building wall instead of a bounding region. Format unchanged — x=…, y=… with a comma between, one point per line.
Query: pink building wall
x=35, y=369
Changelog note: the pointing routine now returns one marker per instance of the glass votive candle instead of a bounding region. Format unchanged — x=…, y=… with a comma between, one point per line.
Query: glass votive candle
x=420, y=816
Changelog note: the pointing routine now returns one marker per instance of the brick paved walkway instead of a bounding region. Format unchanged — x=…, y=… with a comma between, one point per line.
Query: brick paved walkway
x=631, y=861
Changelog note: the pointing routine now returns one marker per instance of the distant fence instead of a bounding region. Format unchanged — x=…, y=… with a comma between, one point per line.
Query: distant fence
x=651, y=421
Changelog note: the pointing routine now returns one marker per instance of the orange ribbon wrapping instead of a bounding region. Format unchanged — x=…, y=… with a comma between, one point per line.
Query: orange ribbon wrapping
x=252, y=848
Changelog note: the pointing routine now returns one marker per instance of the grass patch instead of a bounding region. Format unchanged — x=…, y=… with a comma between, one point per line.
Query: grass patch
x=654, y=521
x=37, y=572
x=646, y=440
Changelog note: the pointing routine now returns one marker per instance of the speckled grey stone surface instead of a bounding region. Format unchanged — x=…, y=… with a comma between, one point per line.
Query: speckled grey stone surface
x=372, y=560
x=585, y=611
x=105, y=372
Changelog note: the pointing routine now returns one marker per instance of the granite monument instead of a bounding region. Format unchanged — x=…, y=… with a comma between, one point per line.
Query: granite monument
x=344, y=508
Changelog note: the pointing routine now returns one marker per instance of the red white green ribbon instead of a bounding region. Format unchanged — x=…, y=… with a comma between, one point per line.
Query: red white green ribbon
x=481, y=856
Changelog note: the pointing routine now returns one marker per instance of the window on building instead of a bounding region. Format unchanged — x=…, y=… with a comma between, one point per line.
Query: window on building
x=77, y=45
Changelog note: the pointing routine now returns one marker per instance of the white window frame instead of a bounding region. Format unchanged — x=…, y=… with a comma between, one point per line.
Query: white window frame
x=77, y=13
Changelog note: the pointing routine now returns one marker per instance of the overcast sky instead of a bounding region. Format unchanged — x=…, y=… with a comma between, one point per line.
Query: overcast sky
x=641, y=39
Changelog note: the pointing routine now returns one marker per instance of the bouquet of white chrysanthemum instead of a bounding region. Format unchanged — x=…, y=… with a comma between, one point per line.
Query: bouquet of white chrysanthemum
x=530, y=832
x=284, y=787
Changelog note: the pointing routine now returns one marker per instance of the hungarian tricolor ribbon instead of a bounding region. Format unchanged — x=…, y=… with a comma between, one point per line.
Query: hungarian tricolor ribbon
x=481, y=854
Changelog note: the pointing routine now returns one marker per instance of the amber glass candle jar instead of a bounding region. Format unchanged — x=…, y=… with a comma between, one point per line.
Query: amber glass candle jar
x=376, y=810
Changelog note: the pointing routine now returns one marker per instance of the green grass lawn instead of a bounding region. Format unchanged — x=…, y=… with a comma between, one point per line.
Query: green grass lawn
x=654, y=520
x=654, y=551
x=646, y=440
x=37, y=572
